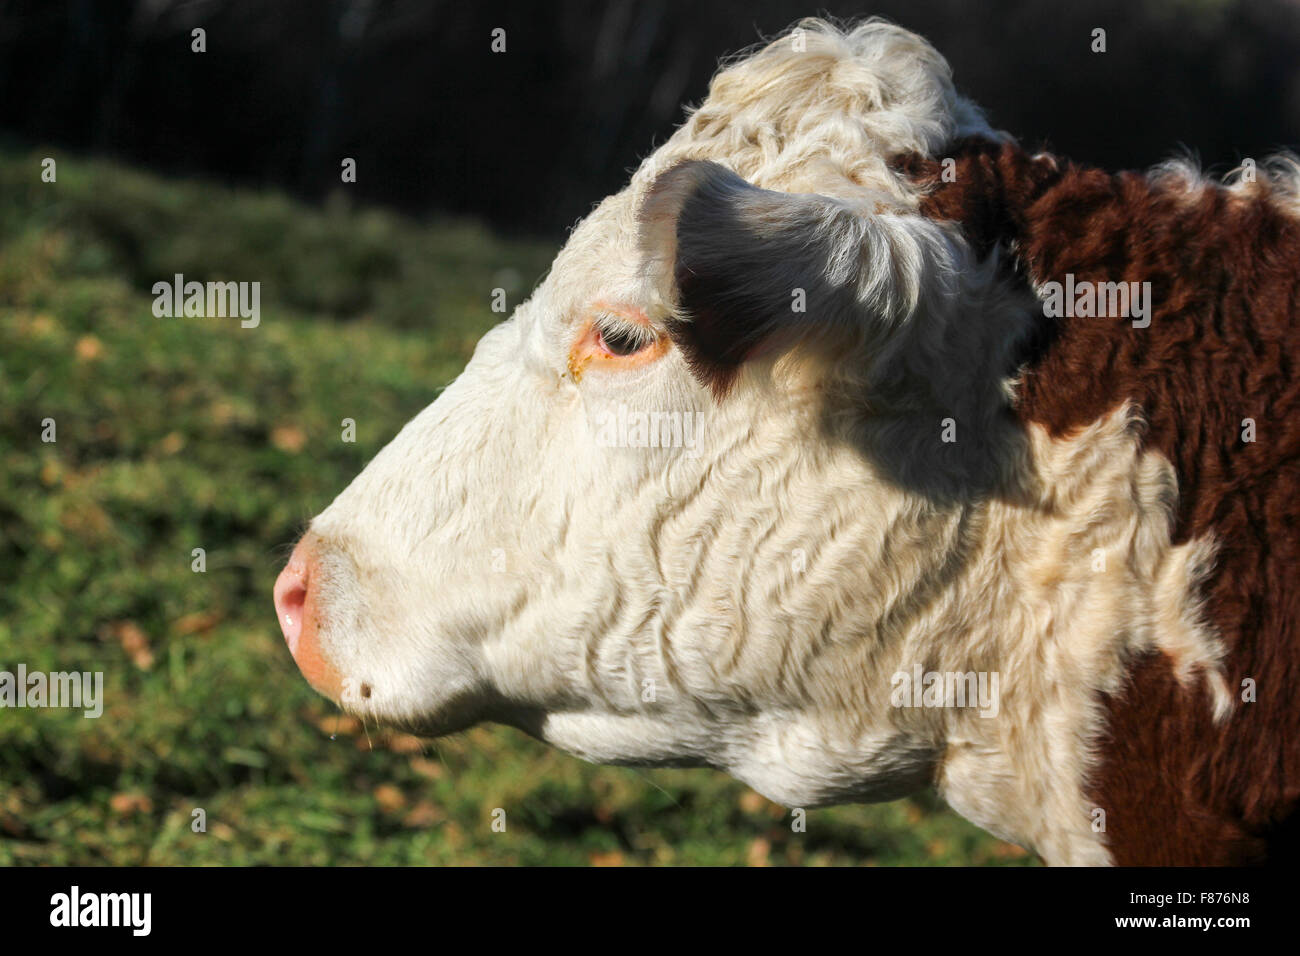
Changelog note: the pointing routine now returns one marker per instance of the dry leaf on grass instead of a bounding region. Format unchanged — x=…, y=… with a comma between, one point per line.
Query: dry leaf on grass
x=200, y=622
x=289, y=438
x=134, y=642
x=127, y=803
x=426, y=767
x=339, y=725
x=88, y=348
x=389, y=798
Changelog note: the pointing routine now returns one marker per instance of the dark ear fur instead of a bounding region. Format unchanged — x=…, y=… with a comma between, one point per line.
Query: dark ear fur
x=743, y=260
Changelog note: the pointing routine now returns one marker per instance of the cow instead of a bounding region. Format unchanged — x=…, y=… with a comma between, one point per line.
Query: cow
x=801, y=464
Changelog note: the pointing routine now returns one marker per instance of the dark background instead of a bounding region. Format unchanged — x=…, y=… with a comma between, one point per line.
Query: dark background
x=528, y=139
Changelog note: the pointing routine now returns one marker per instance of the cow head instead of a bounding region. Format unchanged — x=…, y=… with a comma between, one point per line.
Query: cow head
x=742, y=458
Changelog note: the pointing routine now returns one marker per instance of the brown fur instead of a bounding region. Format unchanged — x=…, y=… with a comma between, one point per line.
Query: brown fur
x=1222, y=346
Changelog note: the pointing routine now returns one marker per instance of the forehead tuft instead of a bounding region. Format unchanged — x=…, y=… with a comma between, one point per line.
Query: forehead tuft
x=823, y=109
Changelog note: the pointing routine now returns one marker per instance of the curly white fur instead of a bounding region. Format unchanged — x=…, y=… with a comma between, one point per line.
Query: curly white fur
x=745, y=607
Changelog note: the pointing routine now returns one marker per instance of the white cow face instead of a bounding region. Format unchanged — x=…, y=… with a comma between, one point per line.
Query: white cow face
x=642, y=523
x=660, y=515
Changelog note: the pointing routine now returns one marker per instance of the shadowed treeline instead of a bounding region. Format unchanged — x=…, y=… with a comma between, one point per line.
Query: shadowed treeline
x=529, y=138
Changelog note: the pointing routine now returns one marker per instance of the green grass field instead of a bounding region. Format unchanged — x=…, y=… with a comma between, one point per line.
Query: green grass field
x=184, y=433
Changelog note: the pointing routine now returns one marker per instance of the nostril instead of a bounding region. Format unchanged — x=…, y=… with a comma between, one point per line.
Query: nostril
x=291, y=602
x=297, y=607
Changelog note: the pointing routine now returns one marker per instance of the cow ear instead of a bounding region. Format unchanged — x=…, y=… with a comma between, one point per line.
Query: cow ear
x=751, y=272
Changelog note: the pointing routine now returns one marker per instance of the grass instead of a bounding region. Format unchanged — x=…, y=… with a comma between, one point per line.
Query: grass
x=176, y=434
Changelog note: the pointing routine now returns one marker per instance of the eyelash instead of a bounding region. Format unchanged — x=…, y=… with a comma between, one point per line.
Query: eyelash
x=622, y=338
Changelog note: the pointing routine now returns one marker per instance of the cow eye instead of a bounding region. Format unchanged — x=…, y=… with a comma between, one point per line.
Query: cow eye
x=623, y=340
